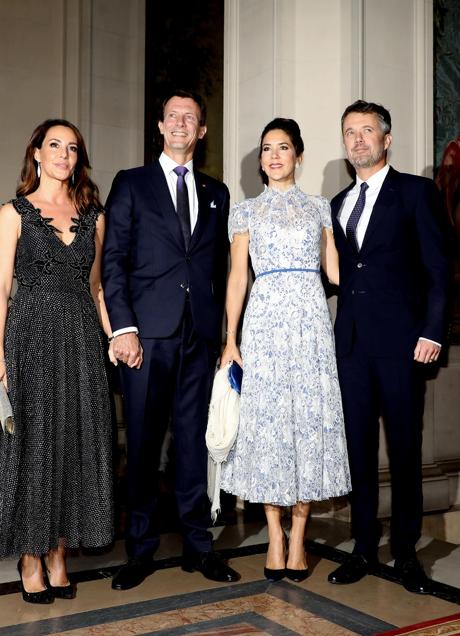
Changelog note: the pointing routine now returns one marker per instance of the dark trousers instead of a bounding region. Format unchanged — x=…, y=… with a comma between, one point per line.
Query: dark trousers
x=173, y=382
x=393, y=387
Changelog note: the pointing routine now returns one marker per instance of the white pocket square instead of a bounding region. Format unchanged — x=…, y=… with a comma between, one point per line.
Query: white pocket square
x=212, y=205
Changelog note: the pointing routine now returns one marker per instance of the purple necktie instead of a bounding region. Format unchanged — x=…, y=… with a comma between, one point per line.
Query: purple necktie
x=356, y=215
x=182, y=205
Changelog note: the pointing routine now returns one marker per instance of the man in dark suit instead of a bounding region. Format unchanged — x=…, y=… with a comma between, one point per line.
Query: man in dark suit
x=164, y=270
x=390, y=322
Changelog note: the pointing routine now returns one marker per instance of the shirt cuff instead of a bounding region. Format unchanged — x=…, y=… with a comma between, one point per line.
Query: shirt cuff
x=433, y=341
x=119, y=332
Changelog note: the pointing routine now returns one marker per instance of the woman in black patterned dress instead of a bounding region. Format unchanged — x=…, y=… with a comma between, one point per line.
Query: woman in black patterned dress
x=55, y=469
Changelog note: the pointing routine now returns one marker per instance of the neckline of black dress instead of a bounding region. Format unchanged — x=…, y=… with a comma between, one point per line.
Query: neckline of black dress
x=47, y=223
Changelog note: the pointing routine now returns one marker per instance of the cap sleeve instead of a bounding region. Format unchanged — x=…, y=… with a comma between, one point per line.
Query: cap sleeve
x=325, y=213
x=238, y=220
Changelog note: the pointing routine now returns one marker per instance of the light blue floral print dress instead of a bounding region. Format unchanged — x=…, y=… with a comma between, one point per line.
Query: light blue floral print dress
x=291, y=441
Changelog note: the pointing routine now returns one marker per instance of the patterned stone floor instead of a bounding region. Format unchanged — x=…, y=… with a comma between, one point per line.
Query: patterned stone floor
x=174, y=602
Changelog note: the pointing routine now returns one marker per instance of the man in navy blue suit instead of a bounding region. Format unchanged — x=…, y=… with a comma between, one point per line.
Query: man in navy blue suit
x=164, y=269
x=390, y=322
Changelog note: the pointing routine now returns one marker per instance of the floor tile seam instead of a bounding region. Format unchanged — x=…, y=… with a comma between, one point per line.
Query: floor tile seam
x=137, y=609
x=252, y=618
x=307, y=615
x=329, y=609
x=309, y=602
x=229, y=607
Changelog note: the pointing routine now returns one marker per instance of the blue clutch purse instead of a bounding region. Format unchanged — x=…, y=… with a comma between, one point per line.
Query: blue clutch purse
x=235, y=376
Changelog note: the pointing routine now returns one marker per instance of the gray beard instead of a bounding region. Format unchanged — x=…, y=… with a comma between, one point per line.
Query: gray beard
x=366, y=162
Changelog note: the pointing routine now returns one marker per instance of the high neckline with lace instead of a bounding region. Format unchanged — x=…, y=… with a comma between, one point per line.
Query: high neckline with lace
x=290, y=190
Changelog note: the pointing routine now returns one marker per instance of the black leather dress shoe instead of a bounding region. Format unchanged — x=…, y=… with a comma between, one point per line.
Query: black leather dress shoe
x=413, y=576
x=132, y=574
x=353, y=570
x=211, y=566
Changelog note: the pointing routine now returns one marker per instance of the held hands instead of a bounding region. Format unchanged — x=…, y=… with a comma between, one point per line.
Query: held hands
x=128, y=349
x=426, y=351
x=230, y=353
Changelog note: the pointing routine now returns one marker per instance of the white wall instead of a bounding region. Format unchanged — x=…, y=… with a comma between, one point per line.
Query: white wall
x=308, y=60
x=78, y=59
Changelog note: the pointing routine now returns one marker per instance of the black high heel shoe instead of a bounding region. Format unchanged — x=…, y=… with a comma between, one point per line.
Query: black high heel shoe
x=43, y=597
x=274, y=575
x=66, y=592
x=278, y=574
x=297, y=575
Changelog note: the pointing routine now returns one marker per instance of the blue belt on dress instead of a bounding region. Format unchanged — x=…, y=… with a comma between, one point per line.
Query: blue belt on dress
x=288, y=269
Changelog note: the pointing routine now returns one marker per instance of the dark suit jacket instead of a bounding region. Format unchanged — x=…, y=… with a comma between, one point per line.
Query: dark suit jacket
x=146, y=269
x=395, y=289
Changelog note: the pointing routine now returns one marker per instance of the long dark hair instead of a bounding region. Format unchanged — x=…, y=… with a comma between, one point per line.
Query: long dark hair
x=292, y=130
x=83, y=192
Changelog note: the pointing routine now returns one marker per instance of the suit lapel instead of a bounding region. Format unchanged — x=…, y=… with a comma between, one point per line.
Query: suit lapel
x=336, y=207
x=203, y=208
x=386, y=199
x=160, y=191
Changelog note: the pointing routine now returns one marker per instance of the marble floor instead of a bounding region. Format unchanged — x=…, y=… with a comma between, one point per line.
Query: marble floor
x=174, y=602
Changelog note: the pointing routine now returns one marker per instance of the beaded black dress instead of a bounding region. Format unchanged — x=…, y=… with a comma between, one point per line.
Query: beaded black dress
x=56, y=469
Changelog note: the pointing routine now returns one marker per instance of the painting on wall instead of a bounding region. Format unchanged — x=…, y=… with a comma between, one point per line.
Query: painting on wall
x=447, y=133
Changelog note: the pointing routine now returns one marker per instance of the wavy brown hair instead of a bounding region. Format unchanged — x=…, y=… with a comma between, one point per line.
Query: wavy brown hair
x=83, y=192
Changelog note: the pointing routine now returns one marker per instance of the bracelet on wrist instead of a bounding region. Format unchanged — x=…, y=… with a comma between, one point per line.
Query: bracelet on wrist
x=110, y=338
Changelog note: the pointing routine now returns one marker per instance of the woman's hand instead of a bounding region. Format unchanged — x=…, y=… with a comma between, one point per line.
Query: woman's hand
x=112, y=357
x=3, y=377
x=230, y=353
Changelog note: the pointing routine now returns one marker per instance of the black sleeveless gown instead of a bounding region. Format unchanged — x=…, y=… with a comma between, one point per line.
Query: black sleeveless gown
x=56, y=470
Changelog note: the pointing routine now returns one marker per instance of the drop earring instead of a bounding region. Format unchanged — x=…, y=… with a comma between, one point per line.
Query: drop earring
x=72, y=178
x=39, y=170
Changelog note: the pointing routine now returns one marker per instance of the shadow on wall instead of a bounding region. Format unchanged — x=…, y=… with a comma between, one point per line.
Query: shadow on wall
x=337, y=175
x=250, y=182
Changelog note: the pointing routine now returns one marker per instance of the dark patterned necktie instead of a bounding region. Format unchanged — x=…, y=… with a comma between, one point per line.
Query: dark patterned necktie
x=182, y=204
x=356, y=215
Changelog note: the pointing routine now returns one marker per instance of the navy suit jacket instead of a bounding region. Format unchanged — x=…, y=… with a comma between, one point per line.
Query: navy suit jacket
x=146, y=268
x=395, y=289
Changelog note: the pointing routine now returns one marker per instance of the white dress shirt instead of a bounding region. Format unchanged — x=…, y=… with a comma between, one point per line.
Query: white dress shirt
x=375, y=183
x=167, y=165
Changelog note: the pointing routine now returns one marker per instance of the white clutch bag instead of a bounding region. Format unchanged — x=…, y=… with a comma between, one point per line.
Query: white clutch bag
x=223, y=419
x=6, y=412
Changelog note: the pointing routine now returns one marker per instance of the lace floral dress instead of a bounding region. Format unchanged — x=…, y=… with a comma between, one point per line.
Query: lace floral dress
x=291, y=442
x=55, y=471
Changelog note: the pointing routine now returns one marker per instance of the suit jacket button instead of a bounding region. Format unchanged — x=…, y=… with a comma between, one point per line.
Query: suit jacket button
x=353, y=292
x=359, y=265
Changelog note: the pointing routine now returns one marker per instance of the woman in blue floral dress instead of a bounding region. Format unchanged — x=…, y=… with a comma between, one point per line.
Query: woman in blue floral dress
x=291, y=446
